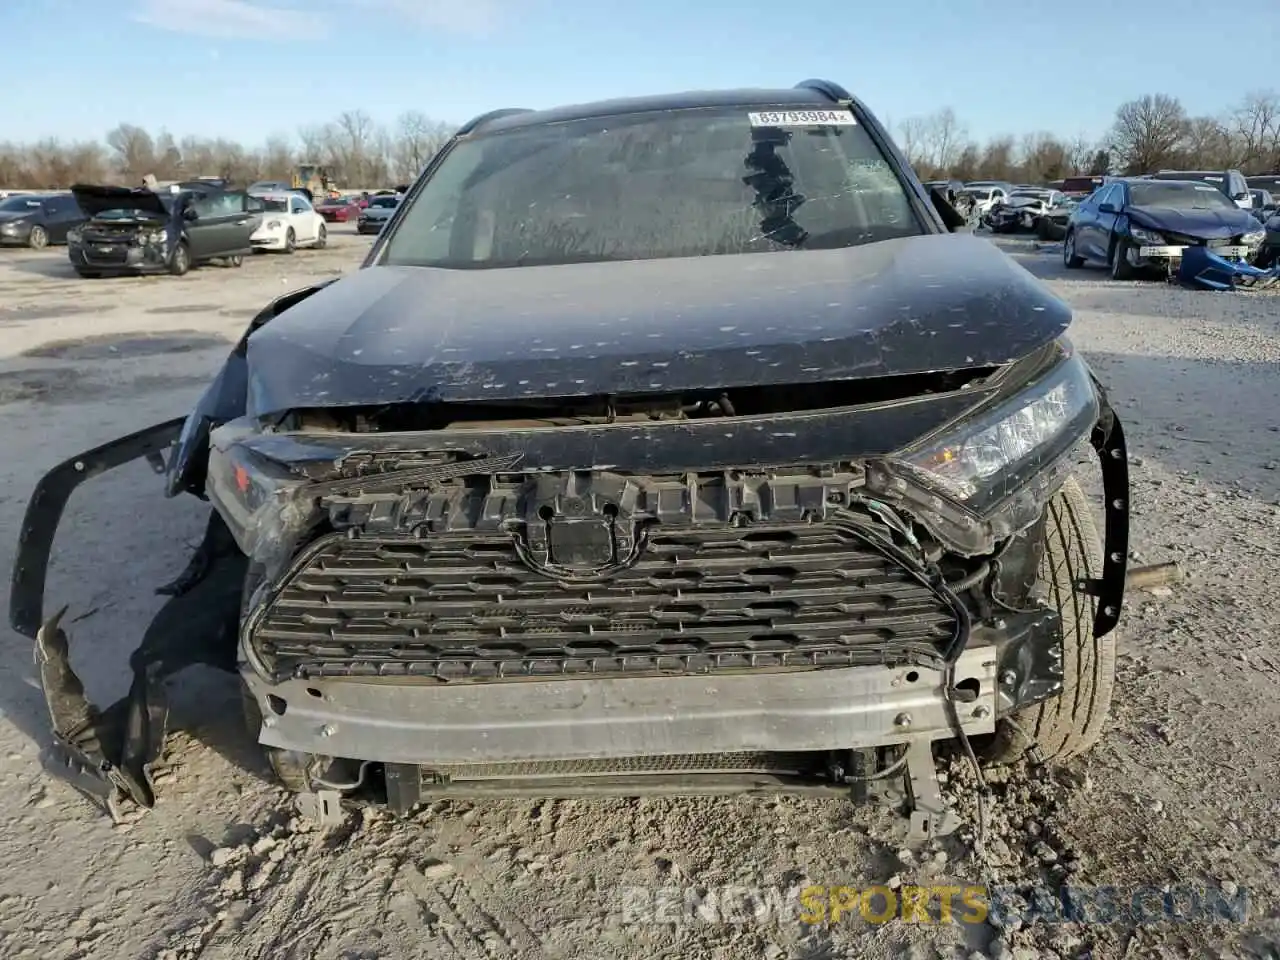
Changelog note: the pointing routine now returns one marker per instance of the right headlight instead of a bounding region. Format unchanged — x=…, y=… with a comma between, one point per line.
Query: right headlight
x=989, y=475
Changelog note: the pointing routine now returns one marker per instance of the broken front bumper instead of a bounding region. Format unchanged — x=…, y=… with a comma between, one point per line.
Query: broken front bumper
x=108, y=754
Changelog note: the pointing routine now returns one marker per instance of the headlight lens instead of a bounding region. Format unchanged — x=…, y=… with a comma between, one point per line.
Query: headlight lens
x=1255, y=237
x=985, y=457
x=251, y=494
x=158, y=237
x=989, y=476
x=1146, y=236
x=273, y=224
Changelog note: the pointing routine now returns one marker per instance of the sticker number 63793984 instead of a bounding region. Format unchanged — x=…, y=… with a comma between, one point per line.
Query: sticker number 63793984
x=802, y=118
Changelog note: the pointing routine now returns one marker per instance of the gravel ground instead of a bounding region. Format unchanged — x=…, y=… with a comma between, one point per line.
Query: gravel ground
x=1181, y=793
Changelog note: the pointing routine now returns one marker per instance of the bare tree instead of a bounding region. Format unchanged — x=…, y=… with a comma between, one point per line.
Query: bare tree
x=911, y=136
x=998, y=159
x=1044, y=158
x=1208, y=144
x=942, y=138
x=135, y=150
x=417, y=140
x=1148, y=132
x=1255, y=127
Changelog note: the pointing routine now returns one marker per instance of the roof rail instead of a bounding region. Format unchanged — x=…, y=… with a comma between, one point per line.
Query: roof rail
x=492, y=115
x=830, y=90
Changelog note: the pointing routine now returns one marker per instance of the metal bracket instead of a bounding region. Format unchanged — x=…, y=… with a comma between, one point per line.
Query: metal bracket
x=1108, y=442
x=323, y=807
x=930, y=815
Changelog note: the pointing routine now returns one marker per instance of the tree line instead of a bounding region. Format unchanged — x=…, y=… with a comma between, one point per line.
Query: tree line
x=1148, y=133
x=358, y=152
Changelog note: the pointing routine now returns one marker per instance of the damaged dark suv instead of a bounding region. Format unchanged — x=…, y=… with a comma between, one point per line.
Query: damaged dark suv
x=660, y=445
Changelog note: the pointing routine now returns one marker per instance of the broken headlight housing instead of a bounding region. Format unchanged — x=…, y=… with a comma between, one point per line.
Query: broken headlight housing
x=985, y=477
x=1253, y=238
x=255, y=496
x=1147, y=236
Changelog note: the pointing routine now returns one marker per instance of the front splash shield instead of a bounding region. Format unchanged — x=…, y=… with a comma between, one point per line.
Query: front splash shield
x=107, y=754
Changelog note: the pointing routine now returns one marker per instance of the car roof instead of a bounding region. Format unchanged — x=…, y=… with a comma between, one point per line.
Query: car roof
x=688, y=100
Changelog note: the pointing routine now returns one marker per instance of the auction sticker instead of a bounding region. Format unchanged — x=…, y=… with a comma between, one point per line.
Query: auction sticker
x=803, y=118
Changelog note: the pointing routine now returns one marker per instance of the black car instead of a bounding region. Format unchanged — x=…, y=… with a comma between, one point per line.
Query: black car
x=637, y=457
x=1231, y=183
x=138, y=231
x=37, y=220
x=1269, y=254
x=1139, y=223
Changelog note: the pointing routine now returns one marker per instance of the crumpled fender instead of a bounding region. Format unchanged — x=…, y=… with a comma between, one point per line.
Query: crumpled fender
x=224, y=400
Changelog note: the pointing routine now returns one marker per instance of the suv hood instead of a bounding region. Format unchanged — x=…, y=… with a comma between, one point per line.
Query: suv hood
x=417, y=334
x=94, y=200
x=1205, y=224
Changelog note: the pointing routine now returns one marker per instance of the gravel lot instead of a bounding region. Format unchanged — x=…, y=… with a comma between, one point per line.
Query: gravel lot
x=1182, y=791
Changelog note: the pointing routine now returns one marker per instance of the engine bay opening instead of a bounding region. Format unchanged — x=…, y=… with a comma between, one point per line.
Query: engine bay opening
x=550, y=412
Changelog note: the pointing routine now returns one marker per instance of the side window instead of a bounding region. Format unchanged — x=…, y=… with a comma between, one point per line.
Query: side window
x=204, y=206
x=229, y=204
x=254, y=205
x=1105, y=195
x=298, y=205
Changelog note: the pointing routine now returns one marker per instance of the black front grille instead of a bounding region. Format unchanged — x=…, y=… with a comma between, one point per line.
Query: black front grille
x=467, y=607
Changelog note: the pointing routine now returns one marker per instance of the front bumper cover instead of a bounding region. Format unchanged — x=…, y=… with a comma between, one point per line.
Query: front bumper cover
x=108, y=754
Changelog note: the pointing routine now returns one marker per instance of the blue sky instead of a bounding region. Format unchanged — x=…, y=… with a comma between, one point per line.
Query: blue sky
x=246, y=69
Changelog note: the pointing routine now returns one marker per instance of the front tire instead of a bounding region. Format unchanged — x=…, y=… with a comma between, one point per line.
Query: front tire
x=236, y=261
x=88, y=274
x=1072, y=722
x=322, y=238
x=38, y=239
x=180, y=261
x=1121, y=269
x=290, y=241
x=289, y=766
x=1069, y=258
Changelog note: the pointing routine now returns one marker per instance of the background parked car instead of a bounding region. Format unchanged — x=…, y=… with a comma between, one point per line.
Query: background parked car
x=137, y=231
x=1231, y=183
x=1052, y=224
x=374, y=217
x=288, y=222
x=1022, y=209
x=338, y=210
x=37, y=220
x=1137, y=223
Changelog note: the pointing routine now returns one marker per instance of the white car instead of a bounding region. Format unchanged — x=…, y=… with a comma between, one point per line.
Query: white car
x=288, y=222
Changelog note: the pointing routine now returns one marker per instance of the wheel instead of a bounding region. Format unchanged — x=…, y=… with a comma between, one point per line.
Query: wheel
x=1070, y=723
x=322, y=238
x=180, y=261
x=88, y=274
x=290, y=241
x=38, y=239
x=289, y=766
x=1121, y=269
x=236, y=261
x=1069, y=258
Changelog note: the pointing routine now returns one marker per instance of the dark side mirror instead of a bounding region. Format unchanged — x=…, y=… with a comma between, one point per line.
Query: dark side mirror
x=1108, y=208
x=951, y=217
x=190, y=215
